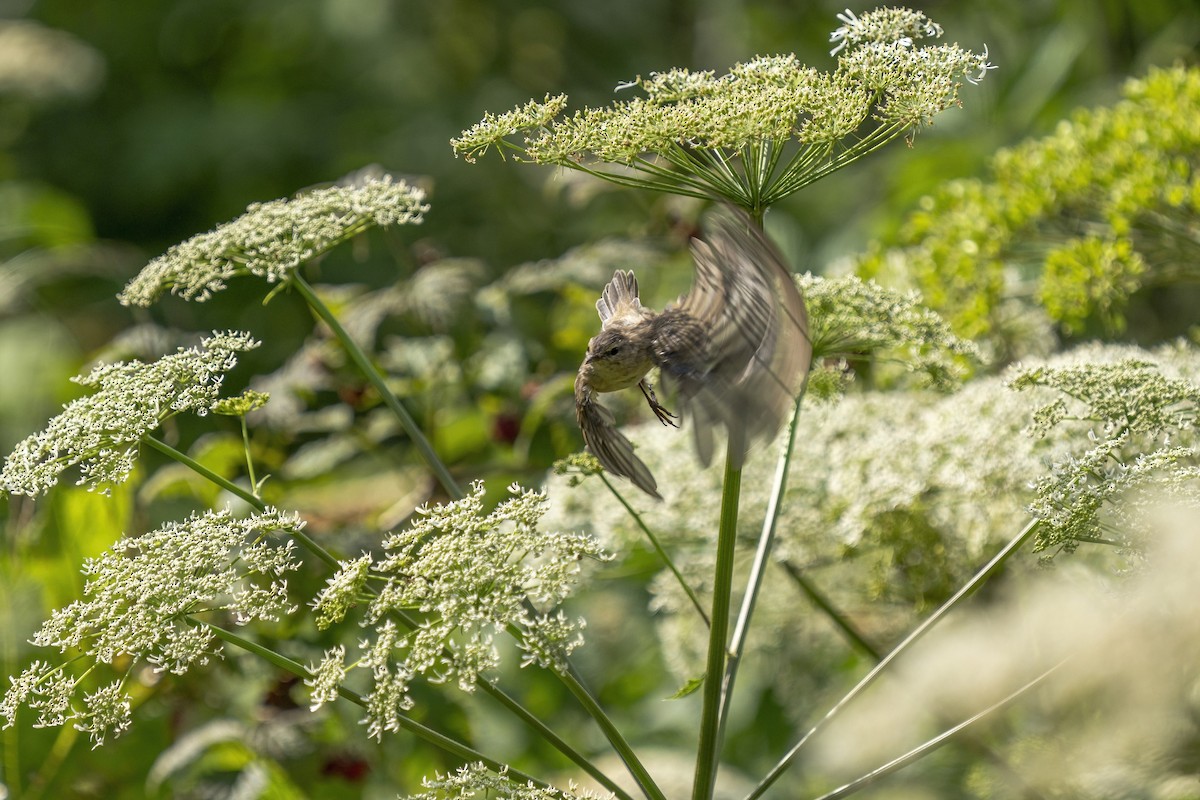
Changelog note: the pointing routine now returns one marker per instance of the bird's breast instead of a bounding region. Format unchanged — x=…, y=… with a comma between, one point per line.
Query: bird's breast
x=612, y=375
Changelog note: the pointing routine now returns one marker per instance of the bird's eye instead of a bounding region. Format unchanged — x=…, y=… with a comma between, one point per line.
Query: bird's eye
x=612, y=351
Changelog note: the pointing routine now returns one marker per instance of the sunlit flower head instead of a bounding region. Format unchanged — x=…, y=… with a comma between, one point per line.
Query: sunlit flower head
x=102, y=432
x=272, y=239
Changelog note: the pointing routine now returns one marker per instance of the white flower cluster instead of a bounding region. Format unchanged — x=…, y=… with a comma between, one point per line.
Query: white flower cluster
x=850, y=318
x=882, y=25
x=272, y=239
x=476, y=780
x=142, y=599
x=456, y=577
x=694, y=127
x=1144, y=453
x=101, y=433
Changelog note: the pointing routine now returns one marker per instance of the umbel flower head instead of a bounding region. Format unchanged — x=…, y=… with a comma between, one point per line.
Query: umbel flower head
x=1143, y=452
x=142, y=599
x=861, y=320
x=476, y=780
x=272, y=239
x=466, y=576
x=101, y=433
x=757, y=133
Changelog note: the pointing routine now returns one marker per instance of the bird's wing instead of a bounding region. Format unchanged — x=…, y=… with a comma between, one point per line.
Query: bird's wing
x=736, y=346
x=608, y=444
x=620, y=296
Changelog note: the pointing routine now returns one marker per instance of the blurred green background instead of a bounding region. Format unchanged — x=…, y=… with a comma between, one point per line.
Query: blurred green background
x=142, y=123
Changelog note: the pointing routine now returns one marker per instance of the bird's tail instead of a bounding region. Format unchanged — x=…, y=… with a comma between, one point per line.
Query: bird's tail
x=609, y=445
x=619, y=295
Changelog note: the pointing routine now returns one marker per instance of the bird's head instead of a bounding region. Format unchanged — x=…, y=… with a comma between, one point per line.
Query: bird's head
x=617, y=358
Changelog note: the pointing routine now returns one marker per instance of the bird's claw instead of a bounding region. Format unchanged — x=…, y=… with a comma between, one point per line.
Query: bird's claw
x=664, y=416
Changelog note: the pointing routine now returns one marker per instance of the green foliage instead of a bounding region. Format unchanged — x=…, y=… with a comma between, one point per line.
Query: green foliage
x=1105, y=206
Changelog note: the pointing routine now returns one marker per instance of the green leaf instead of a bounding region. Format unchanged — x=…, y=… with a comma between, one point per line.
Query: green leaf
x=689, y=687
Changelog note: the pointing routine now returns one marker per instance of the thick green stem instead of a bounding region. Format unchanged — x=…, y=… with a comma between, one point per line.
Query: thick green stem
x=375, y=378
x=980, y=577
x=709, y=753
x=759, y=568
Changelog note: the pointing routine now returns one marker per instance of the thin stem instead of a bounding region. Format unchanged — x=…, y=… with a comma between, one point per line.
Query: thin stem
x=642, y=183
x=300, y=536
x=249, y=460
x=526, y=716
x=451, y=746
x=840, y=621
x=658, y=548
x=932, y=744
x=220, y=480
x=375, y=378
x=552, y=738
x=638, y=770
x=980, y=577
x=711, y=729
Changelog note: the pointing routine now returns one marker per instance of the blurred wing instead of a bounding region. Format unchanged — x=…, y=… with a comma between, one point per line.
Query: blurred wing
x=608, y=444
x=736, y=347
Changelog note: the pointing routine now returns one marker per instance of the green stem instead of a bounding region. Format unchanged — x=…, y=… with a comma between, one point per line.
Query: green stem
x=195, y=466
x=644, y=780
x=555, y=741
x=708, y=755
x=300, y=536
x=758, y=569
x=375, y=378
x=932, y=744
x=658, y=548
x=249, y=460
x=980, y=577
x=286, y=664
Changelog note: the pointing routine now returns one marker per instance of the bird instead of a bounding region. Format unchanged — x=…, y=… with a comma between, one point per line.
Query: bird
x=734, y=350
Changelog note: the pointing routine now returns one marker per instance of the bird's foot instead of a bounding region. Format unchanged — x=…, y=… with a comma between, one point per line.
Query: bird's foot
x=664, y=416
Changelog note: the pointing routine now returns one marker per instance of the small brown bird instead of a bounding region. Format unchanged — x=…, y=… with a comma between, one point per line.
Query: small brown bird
x=735, y=349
